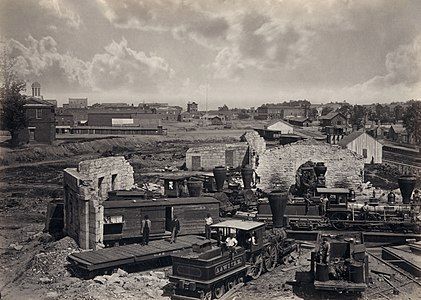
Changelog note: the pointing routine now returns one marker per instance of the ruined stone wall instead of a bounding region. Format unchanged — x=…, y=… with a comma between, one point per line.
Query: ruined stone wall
x=255, y=141
x=85, y=189
x=278, y=166
x=215, y=155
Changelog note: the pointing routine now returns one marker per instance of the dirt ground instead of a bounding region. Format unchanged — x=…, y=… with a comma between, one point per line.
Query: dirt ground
x=33, y=266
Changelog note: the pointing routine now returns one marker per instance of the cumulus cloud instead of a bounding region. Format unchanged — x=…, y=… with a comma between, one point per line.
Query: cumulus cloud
x=38, y=59
x=119, y=67
x=403, y=66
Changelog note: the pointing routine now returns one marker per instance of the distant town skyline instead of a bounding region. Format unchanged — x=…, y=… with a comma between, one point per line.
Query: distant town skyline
x=245, y=52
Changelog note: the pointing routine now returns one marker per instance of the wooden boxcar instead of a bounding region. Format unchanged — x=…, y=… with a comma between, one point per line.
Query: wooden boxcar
x=123, y=217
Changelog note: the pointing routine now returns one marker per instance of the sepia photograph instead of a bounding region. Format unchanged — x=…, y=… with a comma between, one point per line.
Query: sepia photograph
x=210, y=149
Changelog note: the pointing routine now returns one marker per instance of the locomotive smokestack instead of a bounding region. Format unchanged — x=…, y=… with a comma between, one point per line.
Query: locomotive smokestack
x=406, y=185
x=220, y=174
x=247, y=175
x=278, y=202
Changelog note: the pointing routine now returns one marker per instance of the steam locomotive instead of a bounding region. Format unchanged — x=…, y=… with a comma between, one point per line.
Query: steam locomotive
x=306, y=210
x=210, y=271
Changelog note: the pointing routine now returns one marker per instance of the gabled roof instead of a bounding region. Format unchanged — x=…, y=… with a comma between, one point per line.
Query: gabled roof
x=277, y=121
x=398, y=128
x=352, y=136
x=331, y=115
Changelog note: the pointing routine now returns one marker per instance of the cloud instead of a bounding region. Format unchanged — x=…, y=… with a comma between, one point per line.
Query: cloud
x=181, y=18
x=118, y=68
x=123, y=68
x=403, y=66
x=62, y=10
x=41, y=59
x=227, y=64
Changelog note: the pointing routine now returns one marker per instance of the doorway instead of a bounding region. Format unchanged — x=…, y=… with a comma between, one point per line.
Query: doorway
x=169, y=213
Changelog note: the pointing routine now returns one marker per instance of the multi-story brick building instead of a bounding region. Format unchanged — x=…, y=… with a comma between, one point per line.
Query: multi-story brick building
x=40, y=116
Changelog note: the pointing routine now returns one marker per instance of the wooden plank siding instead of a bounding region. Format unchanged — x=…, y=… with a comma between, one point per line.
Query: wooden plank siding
x=374, y=148
x=190, y=211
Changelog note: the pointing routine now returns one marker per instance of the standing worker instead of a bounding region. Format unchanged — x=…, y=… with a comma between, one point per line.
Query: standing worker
x=208, y=223
x=364, y=210
x=231, y=243
x=175, y=229
x=145, y=229
x=324, y=251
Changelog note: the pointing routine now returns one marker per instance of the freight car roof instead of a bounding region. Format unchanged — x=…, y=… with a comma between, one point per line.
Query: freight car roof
x=238, y=224
x=159, y=202
x=332, y=191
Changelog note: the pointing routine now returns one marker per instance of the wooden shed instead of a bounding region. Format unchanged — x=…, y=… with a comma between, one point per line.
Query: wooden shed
x=365, y=145
x=122, y=218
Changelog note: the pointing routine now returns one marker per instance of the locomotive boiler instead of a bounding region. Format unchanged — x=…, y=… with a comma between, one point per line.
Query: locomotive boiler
x=210, y=271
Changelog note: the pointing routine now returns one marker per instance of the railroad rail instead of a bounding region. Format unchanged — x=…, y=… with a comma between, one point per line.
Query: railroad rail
x=372, y=239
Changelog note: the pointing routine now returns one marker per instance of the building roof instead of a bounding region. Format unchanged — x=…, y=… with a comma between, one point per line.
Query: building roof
x=37, y=102
x=350, y=137
x=238, y=224
x=298, y=119
x=278, y=121
x=331, y=115
x=36, y=85
x=398, y=128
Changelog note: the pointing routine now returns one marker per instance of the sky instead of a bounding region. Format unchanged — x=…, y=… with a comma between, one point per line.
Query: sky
x=239, y=52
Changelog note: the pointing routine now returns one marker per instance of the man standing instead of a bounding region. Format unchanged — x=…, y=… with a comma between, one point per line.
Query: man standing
x=175, y=229
x=145, y=229
x=324, y=251
x=231, y=243
x=364, y=210
x=208, y=223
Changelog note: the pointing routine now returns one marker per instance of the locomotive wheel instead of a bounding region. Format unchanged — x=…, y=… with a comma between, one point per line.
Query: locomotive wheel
x=219, y=290
x=338, y=217
x=231, y=283
x=270, y=257
x=207, y=296
x=257, y=267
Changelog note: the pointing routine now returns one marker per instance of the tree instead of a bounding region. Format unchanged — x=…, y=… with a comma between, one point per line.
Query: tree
x=358, y=116
x=412, y=121
x=398, y=112
x=11, y=100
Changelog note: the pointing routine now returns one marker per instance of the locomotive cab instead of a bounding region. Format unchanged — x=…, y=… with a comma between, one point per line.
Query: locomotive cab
x=210, y=273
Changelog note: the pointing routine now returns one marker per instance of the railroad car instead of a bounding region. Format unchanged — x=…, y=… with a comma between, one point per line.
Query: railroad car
x=342, y=266
x=212, y=271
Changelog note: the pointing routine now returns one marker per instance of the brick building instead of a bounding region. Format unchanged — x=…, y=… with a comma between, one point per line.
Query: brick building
x=192, y=107
x=280, y=111
x=40, y=116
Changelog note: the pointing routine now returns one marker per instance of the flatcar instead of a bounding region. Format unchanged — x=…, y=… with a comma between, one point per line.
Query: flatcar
x=211, y=271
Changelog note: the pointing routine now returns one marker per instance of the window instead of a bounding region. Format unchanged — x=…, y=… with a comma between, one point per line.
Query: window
x=38, y=113
x=339, y=122
x=113, y=182
x=113, y=219
x=100, y=180
x=365, y=153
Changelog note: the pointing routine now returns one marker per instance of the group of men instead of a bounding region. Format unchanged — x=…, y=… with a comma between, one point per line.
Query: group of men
x=146, y=224
x=145, y=229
